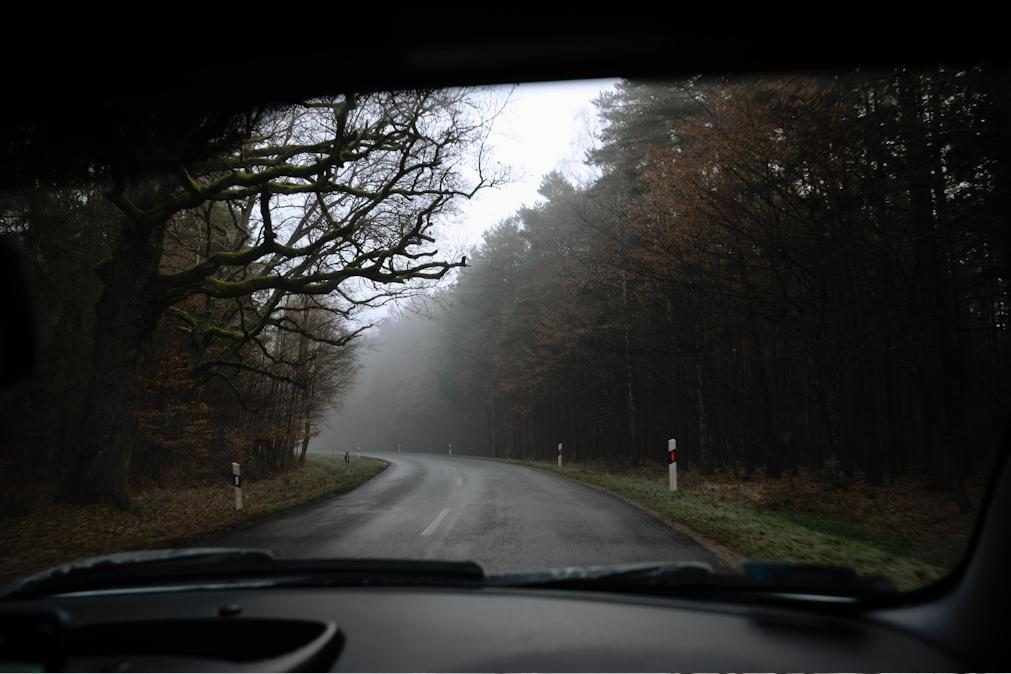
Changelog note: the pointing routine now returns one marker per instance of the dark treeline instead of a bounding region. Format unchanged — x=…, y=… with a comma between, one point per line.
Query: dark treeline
x=185, y=420
x=782, y=273
x=199, y=284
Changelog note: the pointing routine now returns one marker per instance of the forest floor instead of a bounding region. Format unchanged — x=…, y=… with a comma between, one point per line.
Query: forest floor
x=901, y=530
x=165, y=518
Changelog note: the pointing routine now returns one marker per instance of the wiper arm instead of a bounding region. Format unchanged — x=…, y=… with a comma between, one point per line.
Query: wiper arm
x=199, y=565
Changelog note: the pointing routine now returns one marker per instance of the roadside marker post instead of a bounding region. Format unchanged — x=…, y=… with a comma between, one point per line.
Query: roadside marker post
x=237, y=484
x=559, y=455
x=672, y=463
x=451, y=449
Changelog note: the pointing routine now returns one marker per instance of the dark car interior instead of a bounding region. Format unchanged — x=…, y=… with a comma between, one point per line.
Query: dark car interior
x=220, y=615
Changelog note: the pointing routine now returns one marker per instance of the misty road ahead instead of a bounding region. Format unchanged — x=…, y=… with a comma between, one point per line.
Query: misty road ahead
x=505, y=517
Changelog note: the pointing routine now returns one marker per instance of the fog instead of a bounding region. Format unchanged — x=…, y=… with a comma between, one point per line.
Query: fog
x=399, y=395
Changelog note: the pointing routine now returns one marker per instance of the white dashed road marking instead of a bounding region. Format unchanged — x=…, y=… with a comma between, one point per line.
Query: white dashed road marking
x=436, y=522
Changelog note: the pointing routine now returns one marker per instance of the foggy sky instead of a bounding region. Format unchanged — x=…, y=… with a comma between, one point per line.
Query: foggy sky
x=543, y=127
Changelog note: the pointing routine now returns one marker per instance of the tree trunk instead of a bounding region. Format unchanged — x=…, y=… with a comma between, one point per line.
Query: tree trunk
x=704, y=459
x=305, y=442
x=101, y=447
x=629, y=390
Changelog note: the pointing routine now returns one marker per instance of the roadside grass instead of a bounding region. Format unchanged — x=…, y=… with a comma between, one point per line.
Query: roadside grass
x=164, y=518
x=776, y=528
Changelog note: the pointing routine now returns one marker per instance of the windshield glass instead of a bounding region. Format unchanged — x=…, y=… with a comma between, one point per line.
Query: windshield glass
x=565, y=324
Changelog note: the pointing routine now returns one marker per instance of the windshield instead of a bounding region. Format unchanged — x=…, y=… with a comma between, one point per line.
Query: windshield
x=565, y=324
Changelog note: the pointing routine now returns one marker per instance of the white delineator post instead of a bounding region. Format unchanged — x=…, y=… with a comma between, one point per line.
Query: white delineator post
x=398, y=448
x=672, y=463
x=451, y=449
x=559, y=455
x=237, y=484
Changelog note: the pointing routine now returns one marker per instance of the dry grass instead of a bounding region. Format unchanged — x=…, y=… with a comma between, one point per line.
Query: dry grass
x=904, y=506
x=57, y=533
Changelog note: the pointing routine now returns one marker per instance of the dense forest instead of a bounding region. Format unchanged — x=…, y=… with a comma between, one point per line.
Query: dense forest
x=200, y=281
x=784, y=273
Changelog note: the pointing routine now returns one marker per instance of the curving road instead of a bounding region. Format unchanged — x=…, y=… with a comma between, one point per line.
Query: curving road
x=504, y=517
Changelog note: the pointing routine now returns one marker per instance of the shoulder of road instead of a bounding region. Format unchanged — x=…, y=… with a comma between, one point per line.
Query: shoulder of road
x=734, y=530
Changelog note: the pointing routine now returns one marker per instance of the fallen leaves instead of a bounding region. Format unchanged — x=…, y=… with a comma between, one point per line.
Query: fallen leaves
x=54, y=533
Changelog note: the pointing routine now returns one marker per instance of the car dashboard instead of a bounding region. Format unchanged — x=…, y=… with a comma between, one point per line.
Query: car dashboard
x=436, y=629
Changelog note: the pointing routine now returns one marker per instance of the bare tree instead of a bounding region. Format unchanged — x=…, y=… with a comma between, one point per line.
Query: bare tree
x=336, y=197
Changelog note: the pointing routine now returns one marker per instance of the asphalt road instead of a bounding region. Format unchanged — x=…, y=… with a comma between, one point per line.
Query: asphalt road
x=505, y=517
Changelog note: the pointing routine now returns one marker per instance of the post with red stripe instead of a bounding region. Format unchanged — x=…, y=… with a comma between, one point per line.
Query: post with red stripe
x=559, y=455
x=237, y=484
x=672, y=463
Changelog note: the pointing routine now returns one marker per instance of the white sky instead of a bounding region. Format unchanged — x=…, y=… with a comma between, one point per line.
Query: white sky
x=543, y=127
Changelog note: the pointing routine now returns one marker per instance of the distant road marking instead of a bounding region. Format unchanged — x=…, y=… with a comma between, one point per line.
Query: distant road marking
x=436, y=522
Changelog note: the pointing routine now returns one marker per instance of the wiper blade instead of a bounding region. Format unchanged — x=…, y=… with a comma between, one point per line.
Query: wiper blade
x=190, y=567
x=647, y=575
x=317, y=572
x=128, y=567
x=193, y=566
x=697, y=579
x=816, y=579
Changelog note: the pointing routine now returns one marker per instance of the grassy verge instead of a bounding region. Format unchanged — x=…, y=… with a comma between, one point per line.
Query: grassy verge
x=59, y=533
x=751, y=529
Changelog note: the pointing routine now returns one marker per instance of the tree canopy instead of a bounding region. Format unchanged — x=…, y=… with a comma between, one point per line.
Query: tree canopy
x=207, y=287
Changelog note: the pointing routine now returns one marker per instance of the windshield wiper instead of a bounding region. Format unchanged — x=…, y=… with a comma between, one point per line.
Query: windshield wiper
x=647, y=575
x=127, y=568
x=202, y=566
x=193, y=566
x=786, y=577
x=695, y=579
